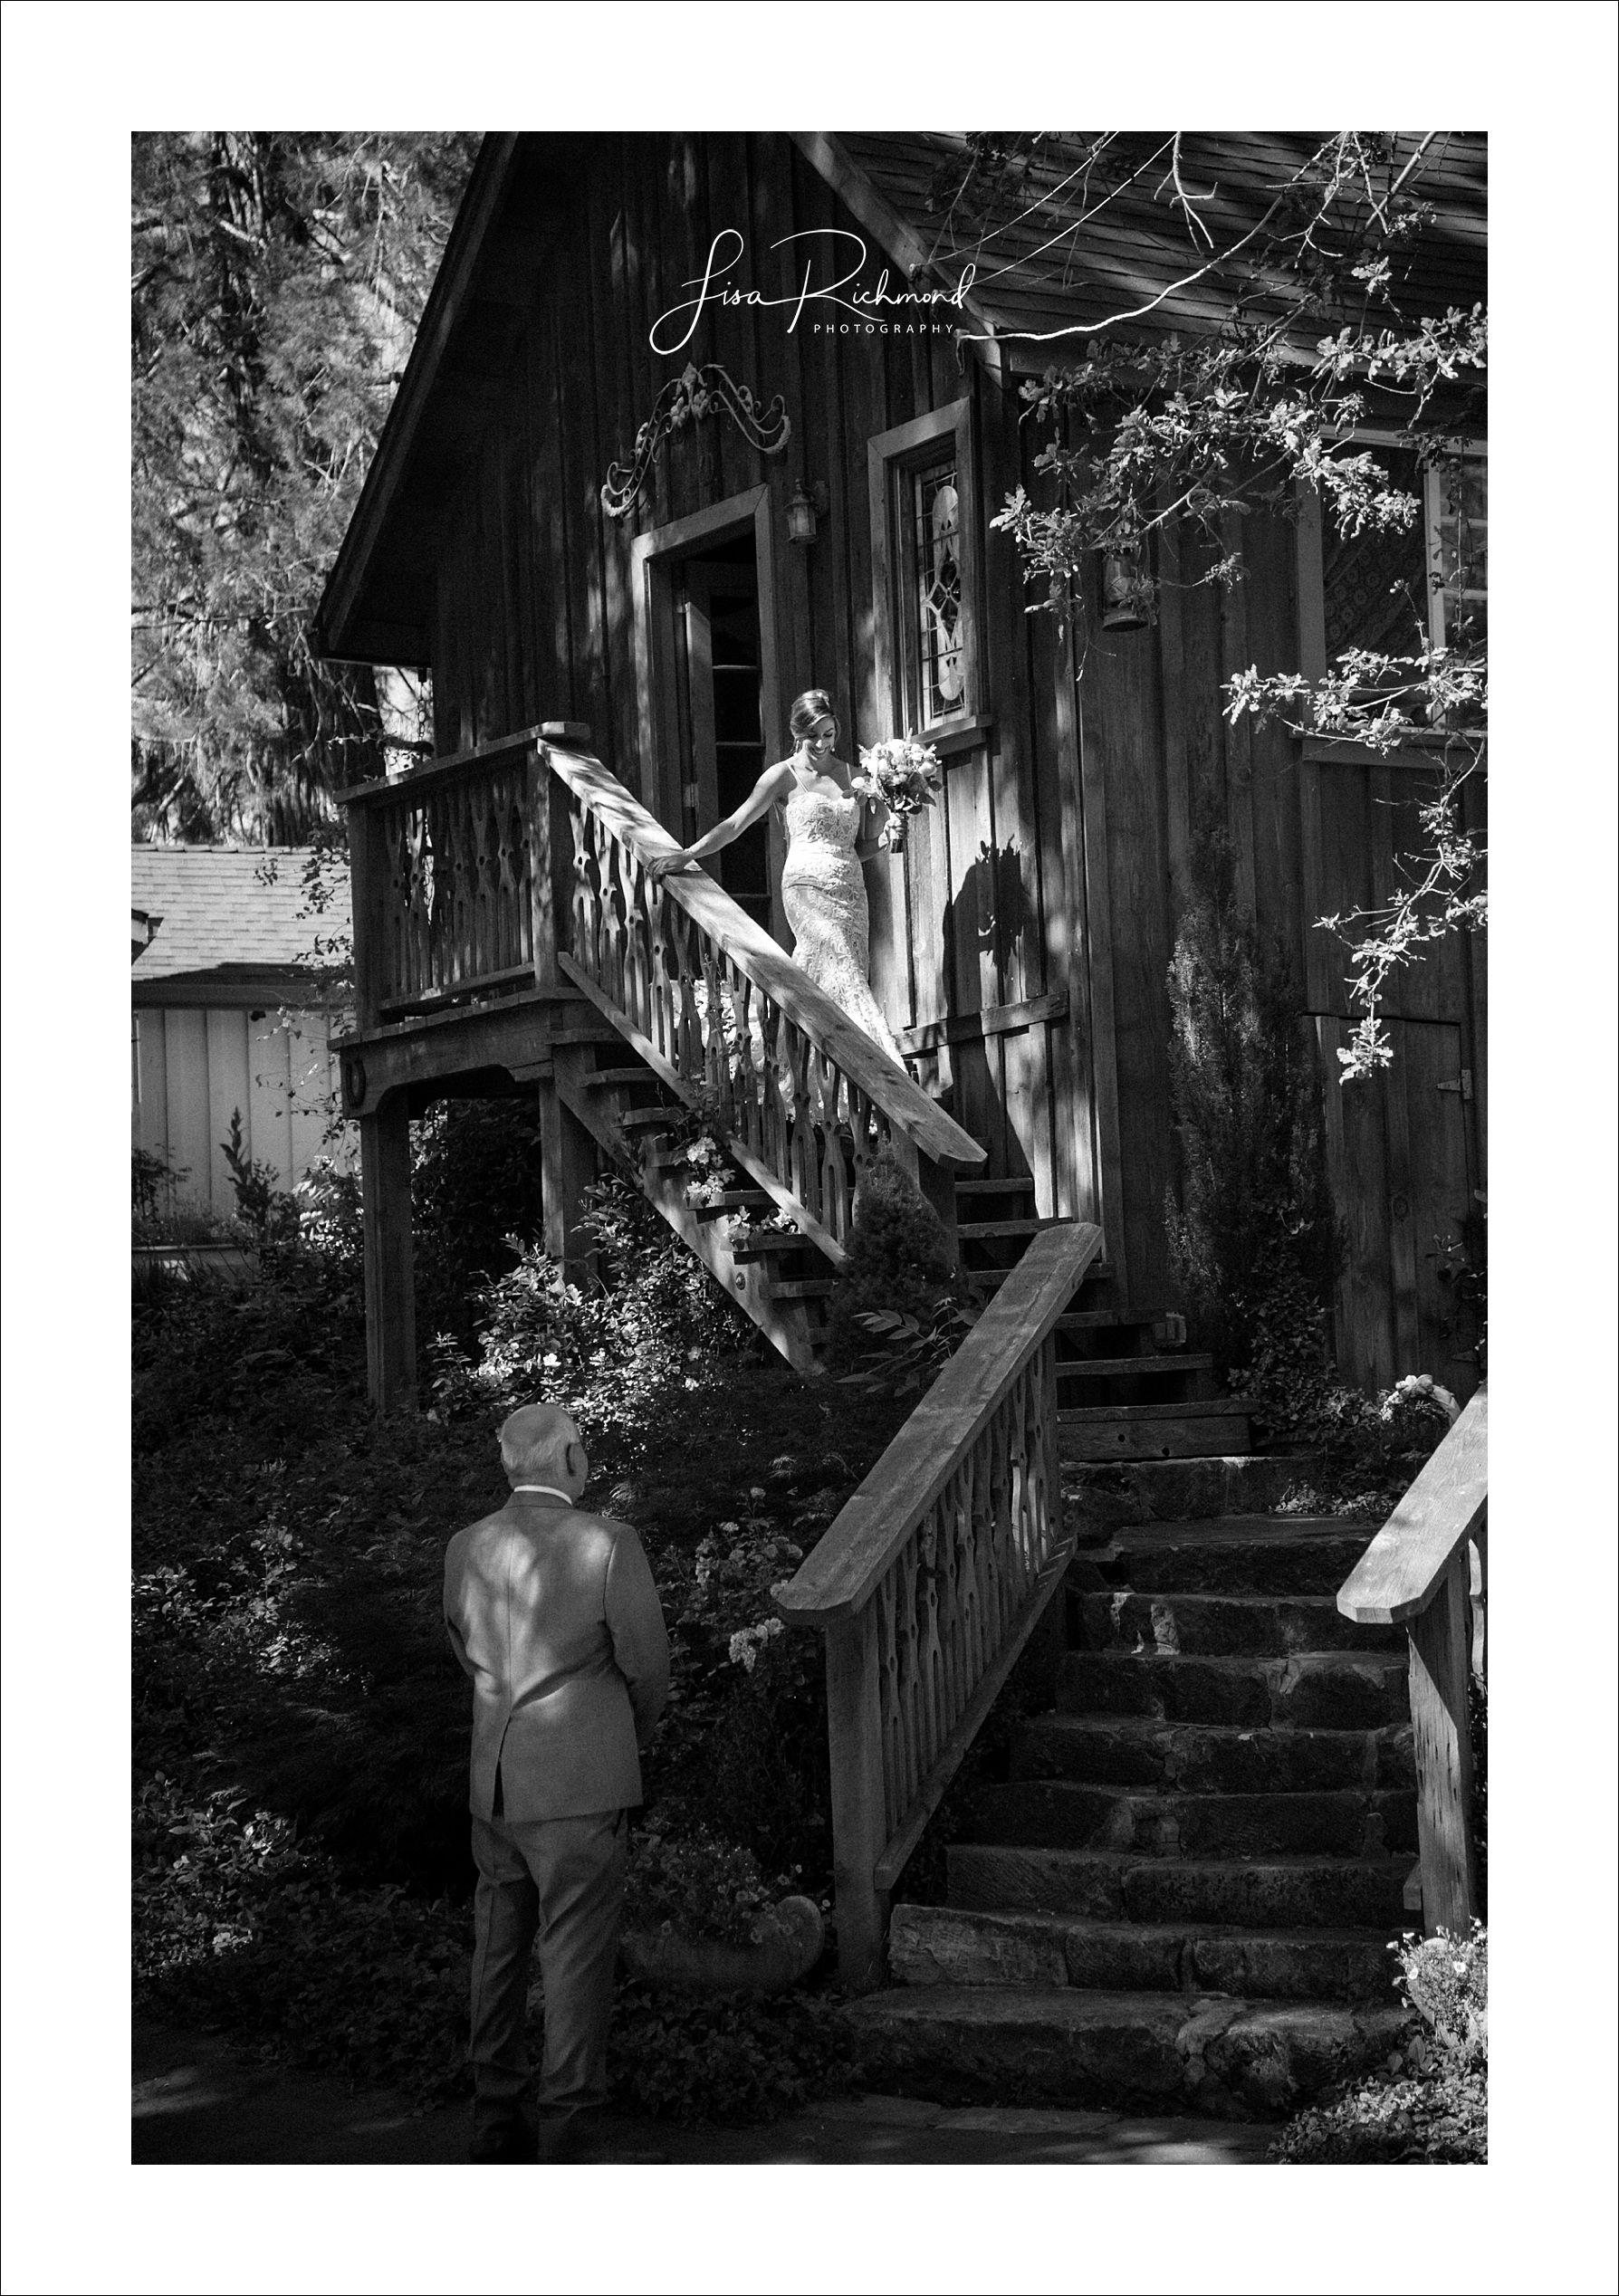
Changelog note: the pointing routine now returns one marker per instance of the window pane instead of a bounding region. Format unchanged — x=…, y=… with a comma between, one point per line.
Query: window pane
x=936, y=573
x=1463, y=554
x=1375, y=583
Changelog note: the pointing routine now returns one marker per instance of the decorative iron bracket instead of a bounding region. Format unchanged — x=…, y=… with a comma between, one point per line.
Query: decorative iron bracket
x=700, y=390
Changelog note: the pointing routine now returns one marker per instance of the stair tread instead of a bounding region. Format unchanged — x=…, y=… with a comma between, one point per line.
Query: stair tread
x=1327, y=1861
x=1213, y=1407
x=1085, y=1925
x=1091, y=1319
x=1235, y=1530
x=1078, y=2006
x=647, y=1119
x=594, y=1078
x=806, y=1288
x=995, y=1187
x=1130, y=1366
x=1150, y=1726
x=1245, y=1662
x=967, y=1228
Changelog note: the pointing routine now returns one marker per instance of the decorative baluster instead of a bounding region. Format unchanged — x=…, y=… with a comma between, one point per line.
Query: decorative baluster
x=715, y=1067
x=745, y=1096
x=890, y=1696
x=690, y=1062
x=772, y=1112
x=612, y=916
x=637, y=971
x=660, y=1024
x=514, y=887
x=585, y=904
x=930, y=1657
x=800, y=1174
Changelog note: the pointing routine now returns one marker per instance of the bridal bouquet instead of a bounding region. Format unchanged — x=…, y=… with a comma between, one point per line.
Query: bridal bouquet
x=903, y=774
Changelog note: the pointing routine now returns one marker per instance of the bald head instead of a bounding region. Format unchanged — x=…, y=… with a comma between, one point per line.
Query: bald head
x=541, y=1444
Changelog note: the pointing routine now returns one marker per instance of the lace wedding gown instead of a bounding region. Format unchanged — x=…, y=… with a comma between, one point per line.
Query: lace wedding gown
x=823, y=894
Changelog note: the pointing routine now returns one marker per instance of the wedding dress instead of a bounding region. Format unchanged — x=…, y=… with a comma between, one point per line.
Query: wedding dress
x=823, y=894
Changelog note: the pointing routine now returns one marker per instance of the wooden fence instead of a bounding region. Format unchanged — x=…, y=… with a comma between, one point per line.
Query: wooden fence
x=932, y=1579
x=1425, y=1570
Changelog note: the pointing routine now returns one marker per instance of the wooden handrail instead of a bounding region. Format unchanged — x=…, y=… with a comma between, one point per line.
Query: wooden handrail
x=1425, y=1570
x=438, y=772
x=905, y=1105
x=1400, y=1573
x=931, y=1578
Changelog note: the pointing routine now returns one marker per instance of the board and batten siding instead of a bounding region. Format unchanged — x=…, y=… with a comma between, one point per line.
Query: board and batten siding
x=973, y=946
x=193, y=1067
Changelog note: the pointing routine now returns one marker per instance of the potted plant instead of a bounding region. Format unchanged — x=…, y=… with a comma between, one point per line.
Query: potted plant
x=700, y=1916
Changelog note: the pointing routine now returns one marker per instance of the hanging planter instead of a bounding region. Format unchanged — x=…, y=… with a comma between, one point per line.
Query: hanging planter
x=787, y=1945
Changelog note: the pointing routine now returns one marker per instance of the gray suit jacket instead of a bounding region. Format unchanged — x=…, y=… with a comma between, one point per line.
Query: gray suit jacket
x=553, y=1614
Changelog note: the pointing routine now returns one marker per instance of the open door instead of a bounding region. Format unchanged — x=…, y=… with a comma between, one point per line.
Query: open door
x=720, y=673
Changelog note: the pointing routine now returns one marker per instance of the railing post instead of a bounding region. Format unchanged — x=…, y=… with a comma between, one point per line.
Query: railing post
x=854, y=1732
x=367, y=874
x=391, y=1283
x=543, y=898
x=1444, y=1761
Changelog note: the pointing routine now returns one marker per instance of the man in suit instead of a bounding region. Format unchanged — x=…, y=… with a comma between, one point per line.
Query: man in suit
x=553, y=1614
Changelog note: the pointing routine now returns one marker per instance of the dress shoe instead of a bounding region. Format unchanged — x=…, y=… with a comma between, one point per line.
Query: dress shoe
x=507, y=2140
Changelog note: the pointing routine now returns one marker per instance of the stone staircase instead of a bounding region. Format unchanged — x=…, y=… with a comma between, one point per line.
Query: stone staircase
x=1182, y=1893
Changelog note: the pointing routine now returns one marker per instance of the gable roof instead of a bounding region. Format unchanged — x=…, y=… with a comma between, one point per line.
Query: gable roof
x=217, y=919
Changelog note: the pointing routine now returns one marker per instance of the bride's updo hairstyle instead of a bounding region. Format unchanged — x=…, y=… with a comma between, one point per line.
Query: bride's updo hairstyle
x=807, y=711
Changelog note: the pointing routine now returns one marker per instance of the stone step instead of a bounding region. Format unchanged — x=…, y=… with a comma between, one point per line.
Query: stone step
x=1220, y=1625
x=1218, y=2054
x=1210, y=1428
x=1321, y=1690
x=951, y=1945
x=1241, y=1554
x=1053, y=1813
x=1070, y=1368
x=1119, y=1885
x=1100, y=1495
x=1201, y=1757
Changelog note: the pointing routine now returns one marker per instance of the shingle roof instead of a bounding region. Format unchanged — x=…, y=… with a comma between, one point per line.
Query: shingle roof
x=1041, y=269
x=219, y=915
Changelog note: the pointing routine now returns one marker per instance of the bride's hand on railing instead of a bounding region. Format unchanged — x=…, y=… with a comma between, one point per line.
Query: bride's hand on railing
x=666, y=865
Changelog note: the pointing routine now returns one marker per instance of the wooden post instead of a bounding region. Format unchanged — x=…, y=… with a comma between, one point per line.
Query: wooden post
x=543, y=904
x=859, y=1823
x=567, y=1168
x=367, y=869
x=390, y=1287
x=1444, y=1763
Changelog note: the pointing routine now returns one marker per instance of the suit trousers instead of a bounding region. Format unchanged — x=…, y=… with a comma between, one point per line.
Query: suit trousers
x=562, y=1881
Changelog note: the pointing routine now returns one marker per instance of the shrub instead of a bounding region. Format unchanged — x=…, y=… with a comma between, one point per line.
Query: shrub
x=730, y=2060
x=1428, y=2102
x=1255, y=1245
x=692, y=1884
x=898, y=1265
x=477, y=1202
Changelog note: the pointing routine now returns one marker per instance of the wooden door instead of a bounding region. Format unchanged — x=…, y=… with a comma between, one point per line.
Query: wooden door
x=721, y=724
x=1400, y=1160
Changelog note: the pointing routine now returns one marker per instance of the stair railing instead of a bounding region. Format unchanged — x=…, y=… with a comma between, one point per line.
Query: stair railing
x=1425, y=1570
x=802, y=1094
x=524, y=864
x=931, y=1580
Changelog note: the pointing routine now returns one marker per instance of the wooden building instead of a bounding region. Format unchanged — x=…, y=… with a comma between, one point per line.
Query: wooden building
x=694, y=422
x=229, y=1017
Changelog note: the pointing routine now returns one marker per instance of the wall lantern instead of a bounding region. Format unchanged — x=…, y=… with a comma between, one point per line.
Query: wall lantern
x=804, y=504
x=1126, y=594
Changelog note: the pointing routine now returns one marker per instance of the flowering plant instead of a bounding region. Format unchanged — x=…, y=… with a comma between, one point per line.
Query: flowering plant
x=903, y=774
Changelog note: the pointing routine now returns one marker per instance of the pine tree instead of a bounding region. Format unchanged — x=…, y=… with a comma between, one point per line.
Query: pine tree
x=277, y=283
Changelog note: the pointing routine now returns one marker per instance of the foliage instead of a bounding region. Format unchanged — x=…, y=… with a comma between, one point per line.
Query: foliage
x=1255, y=1244
x=897, y=1265
x=1379, y=702
x=277, y=283
x=476, y=1202
x=1428, y=2101
x=300, y=1726
x=264, y=1209
x=736, y=2059
x=688, y=1881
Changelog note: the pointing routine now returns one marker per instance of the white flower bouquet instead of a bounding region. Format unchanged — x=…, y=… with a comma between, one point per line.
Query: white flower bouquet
x=903, y=774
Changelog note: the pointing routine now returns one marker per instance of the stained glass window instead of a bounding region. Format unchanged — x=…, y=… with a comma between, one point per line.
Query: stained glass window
x=935, y=565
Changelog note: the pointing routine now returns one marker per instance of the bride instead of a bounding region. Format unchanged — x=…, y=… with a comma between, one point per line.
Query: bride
x=823, y=891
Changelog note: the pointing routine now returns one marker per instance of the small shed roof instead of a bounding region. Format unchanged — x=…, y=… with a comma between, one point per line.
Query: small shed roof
x=230, y=913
